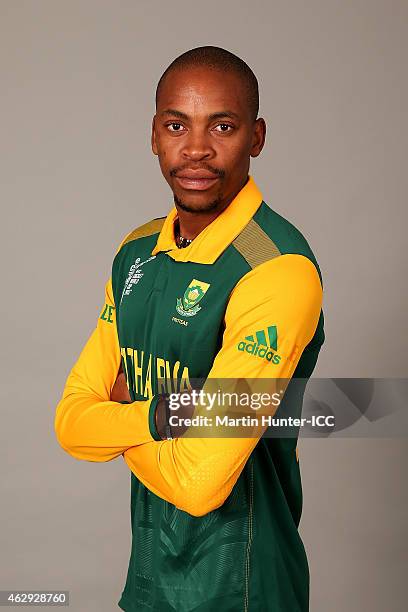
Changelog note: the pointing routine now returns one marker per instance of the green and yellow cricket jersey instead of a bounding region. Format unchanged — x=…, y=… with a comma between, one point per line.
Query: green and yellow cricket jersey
x=214, y=520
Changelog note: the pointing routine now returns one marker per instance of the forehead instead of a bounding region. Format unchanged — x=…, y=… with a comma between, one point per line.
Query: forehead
x=203, y=90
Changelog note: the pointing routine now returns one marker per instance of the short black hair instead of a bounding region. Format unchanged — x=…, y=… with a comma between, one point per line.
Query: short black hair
x=219, y=59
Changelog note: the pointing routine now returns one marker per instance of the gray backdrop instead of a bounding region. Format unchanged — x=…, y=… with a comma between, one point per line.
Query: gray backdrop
x=77, y=173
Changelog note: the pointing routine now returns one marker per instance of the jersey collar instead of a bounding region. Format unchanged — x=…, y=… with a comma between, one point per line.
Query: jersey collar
x=213, y=239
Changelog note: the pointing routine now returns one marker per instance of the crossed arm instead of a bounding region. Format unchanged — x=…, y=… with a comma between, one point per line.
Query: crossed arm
x=194, y=474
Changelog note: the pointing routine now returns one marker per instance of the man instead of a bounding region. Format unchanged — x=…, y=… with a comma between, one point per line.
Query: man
x=221, y=288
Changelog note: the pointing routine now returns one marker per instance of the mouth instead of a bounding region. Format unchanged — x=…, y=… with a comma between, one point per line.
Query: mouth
x=196, y=183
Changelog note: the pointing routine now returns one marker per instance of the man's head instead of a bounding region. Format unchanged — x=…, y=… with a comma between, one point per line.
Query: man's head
x=205, y=128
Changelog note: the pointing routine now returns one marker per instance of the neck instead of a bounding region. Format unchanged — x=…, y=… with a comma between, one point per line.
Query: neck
x=192, y=223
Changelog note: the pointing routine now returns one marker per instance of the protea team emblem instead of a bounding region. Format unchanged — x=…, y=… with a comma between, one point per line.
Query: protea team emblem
x=188, y=304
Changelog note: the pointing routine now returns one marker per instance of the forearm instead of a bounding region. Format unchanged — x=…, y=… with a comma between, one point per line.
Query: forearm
x=194, y=474
x=93, y=429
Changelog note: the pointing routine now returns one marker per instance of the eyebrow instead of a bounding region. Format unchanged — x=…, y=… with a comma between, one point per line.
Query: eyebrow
x=211, y=117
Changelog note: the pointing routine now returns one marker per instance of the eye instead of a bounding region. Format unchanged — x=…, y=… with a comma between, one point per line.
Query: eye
x=224, y=125
x=177, y=126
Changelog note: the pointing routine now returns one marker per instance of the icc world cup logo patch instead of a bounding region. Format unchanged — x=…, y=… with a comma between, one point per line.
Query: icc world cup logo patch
x=188, y=305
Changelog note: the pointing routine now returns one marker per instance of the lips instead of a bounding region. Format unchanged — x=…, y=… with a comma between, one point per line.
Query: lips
x=196, y=179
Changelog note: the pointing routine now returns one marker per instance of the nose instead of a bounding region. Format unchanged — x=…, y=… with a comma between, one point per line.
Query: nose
x=197, y=145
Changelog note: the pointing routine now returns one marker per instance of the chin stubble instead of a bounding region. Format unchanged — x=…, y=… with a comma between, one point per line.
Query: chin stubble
x=197, y=209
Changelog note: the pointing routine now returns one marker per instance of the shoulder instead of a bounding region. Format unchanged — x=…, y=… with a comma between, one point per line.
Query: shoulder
x=149, y=229
x=269, y=236
x=291, y=279
x=284, y=293
x=287, y=237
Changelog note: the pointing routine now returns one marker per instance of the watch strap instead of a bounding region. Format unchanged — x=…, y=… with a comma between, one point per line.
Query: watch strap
x=167, y=428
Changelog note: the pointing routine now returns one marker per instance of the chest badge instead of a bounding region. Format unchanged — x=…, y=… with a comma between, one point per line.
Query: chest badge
x=188, y=305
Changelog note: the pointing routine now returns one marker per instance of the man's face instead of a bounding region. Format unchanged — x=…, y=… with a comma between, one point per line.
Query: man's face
x=204, y=137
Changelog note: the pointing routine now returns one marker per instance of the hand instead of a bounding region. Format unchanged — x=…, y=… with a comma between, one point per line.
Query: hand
x=183, y=412
x=120, y=392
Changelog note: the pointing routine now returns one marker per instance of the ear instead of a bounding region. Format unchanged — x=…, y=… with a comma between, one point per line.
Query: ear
x=154, y=145
x=258, y=138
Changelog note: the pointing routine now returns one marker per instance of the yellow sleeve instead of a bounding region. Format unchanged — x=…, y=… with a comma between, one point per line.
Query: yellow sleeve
x=198, y=474
x=87, y=424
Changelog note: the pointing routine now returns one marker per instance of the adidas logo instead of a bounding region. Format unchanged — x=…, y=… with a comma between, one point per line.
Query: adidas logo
x=264, y=344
